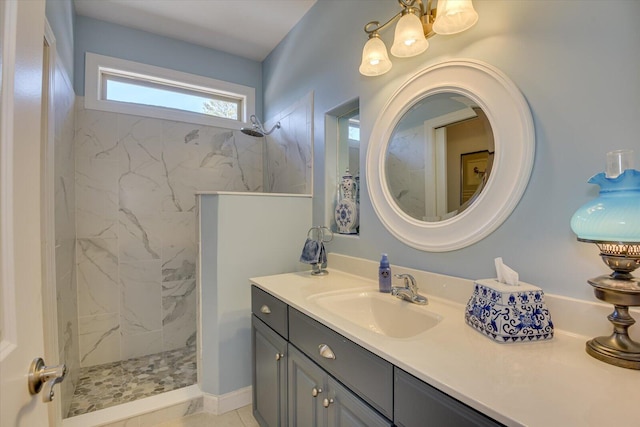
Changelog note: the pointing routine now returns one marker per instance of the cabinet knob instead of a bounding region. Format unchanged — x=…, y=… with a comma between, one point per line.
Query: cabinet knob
x=326, y=352
x=279, y=356
x=265, y=309
x=316, y=391
x=326, y=402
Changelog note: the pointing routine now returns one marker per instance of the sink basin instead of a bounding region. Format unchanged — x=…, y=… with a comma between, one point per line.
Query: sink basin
x=381, y=313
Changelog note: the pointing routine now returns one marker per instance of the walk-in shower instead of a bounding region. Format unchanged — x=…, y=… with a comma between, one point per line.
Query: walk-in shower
x=257, y=130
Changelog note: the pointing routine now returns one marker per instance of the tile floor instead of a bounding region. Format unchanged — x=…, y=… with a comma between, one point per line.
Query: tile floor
x=239, y=418
x=108, y=385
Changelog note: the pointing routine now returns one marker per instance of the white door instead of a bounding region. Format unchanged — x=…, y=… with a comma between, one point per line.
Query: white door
x=21, y=293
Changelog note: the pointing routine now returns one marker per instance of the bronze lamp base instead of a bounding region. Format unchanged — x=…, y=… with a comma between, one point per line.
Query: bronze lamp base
x=617, y=349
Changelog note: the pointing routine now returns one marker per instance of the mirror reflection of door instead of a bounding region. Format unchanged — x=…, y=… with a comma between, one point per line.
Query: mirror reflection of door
x=429, y=151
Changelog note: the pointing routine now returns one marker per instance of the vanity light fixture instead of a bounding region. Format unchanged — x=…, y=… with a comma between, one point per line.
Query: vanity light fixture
x=416, y=23
x=612, y=222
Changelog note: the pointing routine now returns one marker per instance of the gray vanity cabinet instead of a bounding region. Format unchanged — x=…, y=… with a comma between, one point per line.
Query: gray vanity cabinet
x=269, y=375
x=307, y=388
x=330, y=381
x=365, y=374
x=418, y=404
x=316, y=399
x=347, y=410
x=269, y=334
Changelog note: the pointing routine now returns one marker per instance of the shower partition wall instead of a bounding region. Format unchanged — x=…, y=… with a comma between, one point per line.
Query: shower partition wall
x=135, y=222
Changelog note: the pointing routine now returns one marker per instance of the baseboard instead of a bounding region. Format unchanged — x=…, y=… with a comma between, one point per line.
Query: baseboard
x=227, y=402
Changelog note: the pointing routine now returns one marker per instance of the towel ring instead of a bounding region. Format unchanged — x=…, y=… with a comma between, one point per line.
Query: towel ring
x=320, y=231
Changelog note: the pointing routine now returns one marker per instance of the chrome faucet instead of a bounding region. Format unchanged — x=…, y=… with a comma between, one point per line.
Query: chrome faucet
x=410, y=290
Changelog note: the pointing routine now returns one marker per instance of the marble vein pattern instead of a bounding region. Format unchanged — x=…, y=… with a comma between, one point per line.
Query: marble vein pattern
x=135, y=185
x=406, y=167
x=289, y=154
x=65, y=230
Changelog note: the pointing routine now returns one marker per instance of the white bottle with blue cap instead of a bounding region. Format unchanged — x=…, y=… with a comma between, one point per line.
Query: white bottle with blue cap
x=384, y=275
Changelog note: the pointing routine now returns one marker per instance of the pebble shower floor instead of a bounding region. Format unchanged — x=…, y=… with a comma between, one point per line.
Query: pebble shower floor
x=111, y=384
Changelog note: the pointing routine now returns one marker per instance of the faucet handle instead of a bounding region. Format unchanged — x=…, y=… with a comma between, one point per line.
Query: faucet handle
x=409, y=282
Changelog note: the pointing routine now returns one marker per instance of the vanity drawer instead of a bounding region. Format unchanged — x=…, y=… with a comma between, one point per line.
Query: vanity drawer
x=417, y=401
x=270, y=310
x=366, y=374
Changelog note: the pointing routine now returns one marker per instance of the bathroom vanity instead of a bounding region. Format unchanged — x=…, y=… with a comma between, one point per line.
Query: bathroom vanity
x=306, y=373
x=315, y=359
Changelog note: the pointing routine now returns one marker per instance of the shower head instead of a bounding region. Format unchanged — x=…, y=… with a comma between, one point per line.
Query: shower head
x=252, y=132
x=257, y=130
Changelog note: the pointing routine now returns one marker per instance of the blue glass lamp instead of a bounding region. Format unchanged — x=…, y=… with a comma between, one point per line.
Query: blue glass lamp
x=612, y=222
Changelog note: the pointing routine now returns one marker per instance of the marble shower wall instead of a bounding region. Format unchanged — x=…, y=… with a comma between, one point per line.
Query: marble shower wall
x=65, y=232
x=405, y=169
x=136, y=180
x=289, y=159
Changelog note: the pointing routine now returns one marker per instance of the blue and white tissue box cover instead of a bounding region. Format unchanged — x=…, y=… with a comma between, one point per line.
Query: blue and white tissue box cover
x=509, y=314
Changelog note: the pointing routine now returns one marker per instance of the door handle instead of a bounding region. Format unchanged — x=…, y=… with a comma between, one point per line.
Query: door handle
x=45, y=376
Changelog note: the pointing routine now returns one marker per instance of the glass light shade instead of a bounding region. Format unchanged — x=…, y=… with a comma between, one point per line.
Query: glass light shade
x=614, y=216
x=409, y=39
x=618, y=161
x=375, y=60
x=454, y=16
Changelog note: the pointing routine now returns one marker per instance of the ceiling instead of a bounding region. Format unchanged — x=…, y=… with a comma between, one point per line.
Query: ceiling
x=246, y=28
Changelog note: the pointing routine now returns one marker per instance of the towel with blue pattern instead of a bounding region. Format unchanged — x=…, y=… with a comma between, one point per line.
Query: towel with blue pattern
x=313, y=252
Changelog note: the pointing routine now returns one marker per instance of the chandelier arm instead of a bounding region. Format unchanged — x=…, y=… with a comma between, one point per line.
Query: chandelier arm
x=379, y=27
x=407, y=3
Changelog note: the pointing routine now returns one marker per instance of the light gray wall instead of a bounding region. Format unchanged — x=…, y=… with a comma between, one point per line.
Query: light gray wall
x=108, y=39
x=577, y=64
x=61, y=17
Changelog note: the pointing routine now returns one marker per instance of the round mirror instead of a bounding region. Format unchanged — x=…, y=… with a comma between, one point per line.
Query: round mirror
x=450, y=155
x=439, y=157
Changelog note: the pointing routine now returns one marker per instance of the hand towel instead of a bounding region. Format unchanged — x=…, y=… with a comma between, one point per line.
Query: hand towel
x=313, y=252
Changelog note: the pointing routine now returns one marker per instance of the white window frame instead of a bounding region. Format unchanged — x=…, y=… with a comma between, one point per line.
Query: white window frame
x=96, y=66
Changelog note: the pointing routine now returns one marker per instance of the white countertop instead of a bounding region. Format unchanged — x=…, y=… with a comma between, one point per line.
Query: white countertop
x=547, y=383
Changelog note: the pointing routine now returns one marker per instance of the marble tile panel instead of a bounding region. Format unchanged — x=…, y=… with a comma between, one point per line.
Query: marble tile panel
x=406, y=161
x=99, y=339
x=65, y=256
x=141, y=344
x=179, y=248
x=188, y=146
x=96, y=133
x=98, y=284
x=96, y=197
x=65, y=202
x=290, y=149
x=182, y=184
x=179, y=313
x=141, y=297
x=251, y=160
x=142, y=172
x=68, y=345
x=139, y=236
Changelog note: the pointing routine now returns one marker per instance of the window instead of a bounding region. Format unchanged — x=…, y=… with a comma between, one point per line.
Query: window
x=128, y=87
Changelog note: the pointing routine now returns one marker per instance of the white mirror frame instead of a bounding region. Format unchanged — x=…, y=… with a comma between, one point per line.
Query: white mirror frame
x=514, y=137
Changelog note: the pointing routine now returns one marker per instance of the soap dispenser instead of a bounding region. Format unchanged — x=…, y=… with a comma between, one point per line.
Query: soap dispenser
x=384, y=275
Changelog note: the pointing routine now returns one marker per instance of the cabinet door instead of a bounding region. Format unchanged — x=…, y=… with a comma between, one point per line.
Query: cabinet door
x=307, y=388
x=345, y=409
x=269, y=375
x=418, y=404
